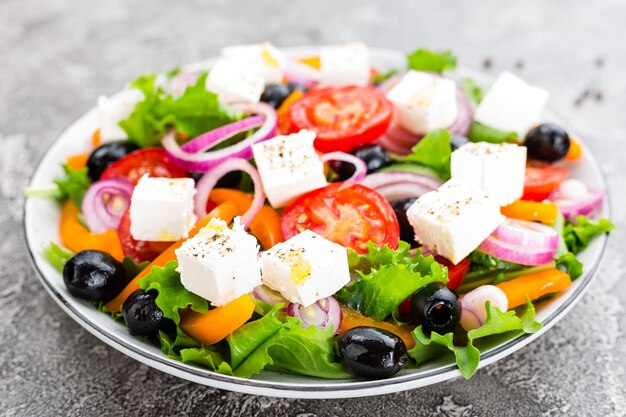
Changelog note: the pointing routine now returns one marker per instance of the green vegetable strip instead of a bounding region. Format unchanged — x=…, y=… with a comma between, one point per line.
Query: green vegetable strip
x=57, y=256
x=480, y=133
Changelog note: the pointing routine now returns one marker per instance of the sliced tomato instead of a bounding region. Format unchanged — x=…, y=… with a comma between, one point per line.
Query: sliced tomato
x=342, y=117
x=152, y=161
x=456, y=273
x=542, y=180
x=139, y=250
x=346, y=213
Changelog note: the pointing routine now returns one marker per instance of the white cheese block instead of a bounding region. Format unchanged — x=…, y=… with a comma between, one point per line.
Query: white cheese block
x=424, y=102
x=219, y=264
x=162, y=209
x=454, y=219
x=497, y=169
x=511, y=105
x=263, y=59
x=347, y=64
x=233, y=82
x=289, y=166
x=305, y=268
x=112, y=110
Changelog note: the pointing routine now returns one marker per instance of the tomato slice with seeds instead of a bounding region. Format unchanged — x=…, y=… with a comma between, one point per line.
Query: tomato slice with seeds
x=342, y=117
x=153, y=161
x=541, y=180
x=345, y=213
x=139, y=250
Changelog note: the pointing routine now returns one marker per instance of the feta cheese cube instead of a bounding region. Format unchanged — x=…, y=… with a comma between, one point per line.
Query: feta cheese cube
x=112, y=110
x=162, y=209
x=305, y=268
x=289, y=166
x=497, y=169
x=454, y=219
x=264, y=60
x=424, y=102
x=219, y=264
x=345, y=64
x=232, y=82
x=511, y=105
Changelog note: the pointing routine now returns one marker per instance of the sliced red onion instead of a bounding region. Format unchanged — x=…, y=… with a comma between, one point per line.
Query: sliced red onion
x=463, y=121
x=360, y=168
x=179, y=82
x=396, y=192
x=527, y=234
x=191, y=157
x=267, y=295
x=518, y=254
x=323, y=314
x=209, y=180
x=383, y=179
x=105, y=202
x=474, y=311
x=390, y=145
x=574, y=199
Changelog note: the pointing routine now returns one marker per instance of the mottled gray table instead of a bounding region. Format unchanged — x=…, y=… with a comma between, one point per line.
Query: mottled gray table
x=57, y=56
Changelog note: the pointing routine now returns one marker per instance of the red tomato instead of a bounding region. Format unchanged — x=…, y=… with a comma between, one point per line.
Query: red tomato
x=139, y=250
x=342, y=117
x=346, y=213
x=456, y=273
x=542, y=180
x=151, y=161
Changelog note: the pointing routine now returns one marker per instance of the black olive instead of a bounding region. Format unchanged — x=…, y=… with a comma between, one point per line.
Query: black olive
x=547, y=142
x=104, y=155
x=457, y=141
x=406, y=230
x=370, y=352
x=436, y=308
x=275, y=94
x=94, y=275
x=374, y=156
x=230, y=180
x=142, y=316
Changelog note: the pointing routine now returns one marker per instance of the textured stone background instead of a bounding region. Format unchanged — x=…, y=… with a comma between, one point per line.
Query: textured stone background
x=57, y=56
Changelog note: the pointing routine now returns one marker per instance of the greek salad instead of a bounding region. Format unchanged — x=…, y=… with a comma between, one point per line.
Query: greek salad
x=315, y=216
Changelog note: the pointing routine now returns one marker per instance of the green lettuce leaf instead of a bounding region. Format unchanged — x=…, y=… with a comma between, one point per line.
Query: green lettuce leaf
x=57, y=256
x=433, y=151
x=426, y=60
x=173, y=296
x=578, y=235
x=133, y=268
x=481, y=133
x=474, y=92
x=565, y=260
x=468, y=357
x=73, y=185
x=386, y=277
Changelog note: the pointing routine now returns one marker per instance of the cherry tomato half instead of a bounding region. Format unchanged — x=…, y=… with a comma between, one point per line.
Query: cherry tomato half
x=542, y=180
x=346, y=213
x=342, y=117
x=151, y=161
x=139, y=250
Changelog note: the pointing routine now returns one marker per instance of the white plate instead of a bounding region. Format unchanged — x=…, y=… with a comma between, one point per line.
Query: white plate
x=41, y=218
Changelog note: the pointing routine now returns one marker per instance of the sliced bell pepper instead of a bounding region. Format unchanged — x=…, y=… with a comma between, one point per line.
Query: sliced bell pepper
x=312, y=61
x=77, y=237
x=575, y=150
x=532, y=211
x=291, y=98
x=95, y=139
x=352, y=318
x=534, y=286
x=77, y=161
x=216, y=324
x=226, y=212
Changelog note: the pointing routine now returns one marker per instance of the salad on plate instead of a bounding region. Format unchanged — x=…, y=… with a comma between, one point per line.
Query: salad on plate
x=315, y=216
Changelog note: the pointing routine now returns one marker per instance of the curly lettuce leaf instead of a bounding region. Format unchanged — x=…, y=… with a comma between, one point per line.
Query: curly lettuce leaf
x=426, y=60
x=482, y=133
x=474, y=92
x=434, y=152
x=386, y=277
x=73, y=185
x=57, y=256
x=578, y=235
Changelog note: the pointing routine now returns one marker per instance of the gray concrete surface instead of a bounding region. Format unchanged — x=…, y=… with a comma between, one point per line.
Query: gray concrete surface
x=56, y=56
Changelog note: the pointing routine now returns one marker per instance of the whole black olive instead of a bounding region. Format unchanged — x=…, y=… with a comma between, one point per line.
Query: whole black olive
x=457, y=141
x=406, y=230
x=547, y=142
x=142, y=316
x=94, y=275
x=275, y=94
x=371, y=352
x=374, y=156
x=104, y=155
x=436, y=308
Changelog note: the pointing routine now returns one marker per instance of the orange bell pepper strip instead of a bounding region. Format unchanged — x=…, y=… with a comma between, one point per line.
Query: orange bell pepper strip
x=532, y=211
x=312, y=61
x=534, y=286
x=352, y=318
x=216, y=324
x=575, y=150
x=77, y=161
x=95, y=139
x=77, y=237
x=265, y=227
x=291, y=98
x=225, y=212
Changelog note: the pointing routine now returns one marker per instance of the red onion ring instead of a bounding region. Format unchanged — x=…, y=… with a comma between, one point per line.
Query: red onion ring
x=390, y=145
x=209, y=180
x=179, y=82
x=323, y=314
x=203, y=161
x=267, y=295
x=474, y=311
x=105, y=203
x=383, y=179
x=360, y=168
x=527, y=234
x=516, y=253
x=219, y=135
x=573, y=208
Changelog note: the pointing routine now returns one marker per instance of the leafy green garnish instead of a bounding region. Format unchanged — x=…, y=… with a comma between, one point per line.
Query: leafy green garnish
x=481, y=133
x=468, y=356
x=194, y=112
x=565, y=259
x=73, y=185
x=386, y=277
x=434, y=152
x=474, y=92
x=57, y=255
x=133, y=268
x=426, y=60
x=578, y=235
